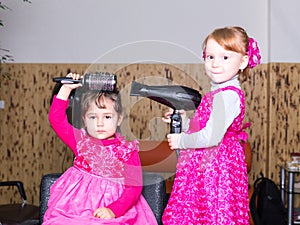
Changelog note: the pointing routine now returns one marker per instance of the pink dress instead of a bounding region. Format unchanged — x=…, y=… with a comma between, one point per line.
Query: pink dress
x=211, y=185
x=105, y=173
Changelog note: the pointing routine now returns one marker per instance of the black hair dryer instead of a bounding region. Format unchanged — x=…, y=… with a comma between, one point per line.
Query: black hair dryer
x=174, y=96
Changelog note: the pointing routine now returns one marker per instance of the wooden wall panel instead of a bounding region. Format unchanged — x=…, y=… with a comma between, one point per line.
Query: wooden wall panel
x=29, y=148
x=256, y=92
x=284, y=115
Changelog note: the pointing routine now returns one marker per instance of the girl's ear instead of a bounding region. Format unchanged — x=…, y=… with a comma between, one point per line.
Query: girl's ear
x=83, y=121
x=244, y=63
x=120, y=119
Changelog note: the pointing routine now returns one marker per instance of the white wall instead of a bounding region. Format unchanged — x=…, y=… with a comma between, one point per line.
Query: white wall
x=285, y=30
x=118, y=31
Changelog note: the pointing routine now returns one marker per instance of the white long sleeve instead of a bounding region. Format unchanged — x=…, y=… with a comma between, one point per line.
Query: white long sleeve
x=226, y=107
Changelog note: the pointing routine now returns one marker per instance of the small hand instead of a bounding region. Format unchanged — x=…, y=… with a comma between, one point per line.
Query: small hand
x=74, y=76
x=104, y=213
x=66, y=89
x=167, y=116
x=173, y=141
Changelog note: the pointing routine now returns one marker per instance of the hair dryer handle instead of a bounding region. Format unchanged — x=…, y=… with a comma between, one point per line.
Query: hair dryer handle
x=176, y=122
x=176, y=125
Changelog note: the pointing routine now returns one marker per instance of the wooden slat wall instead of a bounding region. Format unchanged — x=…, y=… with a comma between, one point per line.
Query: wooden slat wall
x=256, y=91
x=284, y=115
x=29, y=148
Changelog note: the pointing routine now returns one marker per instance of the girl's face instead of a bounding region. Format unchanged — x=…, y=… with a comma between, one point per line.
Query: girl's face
x=220, y=64
x=102, y=123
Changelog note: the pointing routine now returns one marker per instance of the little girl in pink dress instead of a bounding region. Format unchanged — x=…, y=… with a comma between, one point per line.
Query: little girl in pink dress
x=105, y=182
x=211, y=182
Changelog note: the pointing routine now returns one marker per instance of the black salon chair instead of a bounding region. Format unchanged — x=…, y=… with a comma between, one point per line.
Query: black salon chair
x=154, y=191
x=18, y=213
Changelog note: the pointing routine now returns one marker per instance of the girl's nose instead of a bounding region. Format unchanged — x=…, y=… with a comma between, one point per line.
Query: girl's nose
x=99, y=122
x=215, y=62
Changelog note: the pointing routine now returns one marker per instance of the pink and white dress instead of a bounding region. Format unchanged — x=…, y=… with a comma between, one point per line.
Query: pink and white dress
x=211, y=184
x=105, y=173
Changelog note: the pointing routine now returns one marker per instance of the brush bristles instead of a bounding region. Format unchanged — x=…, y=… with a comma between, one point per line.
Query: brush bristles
x=101, y=81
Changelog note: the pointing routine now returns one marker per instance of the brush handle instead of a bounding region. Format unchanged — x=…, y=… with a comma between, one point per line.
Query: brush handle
x=66, y=80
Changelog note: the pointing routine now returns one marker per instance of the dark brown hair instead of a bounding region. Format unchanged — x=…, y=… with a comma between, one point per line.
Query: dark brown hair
x=99, y=98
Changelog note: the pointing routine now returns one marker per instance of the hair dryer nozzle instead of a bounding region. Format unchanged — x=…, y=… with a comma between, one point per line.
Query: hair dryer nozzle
x=174, y=96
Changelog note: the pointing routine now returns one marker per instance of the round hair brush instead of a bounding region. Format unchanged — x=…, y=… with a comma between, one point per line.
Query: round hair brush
x=94, y=81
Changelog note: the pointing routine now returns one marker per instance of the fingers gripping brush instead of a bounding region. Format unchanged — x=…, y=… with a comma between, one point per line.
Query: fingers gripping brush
x=174, y=96
x=96, y=81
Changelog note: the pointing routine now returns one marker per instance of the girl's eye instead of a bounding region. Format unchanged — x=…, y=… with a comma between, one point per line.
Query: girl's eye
x=92, y=117
x=226, y=57
x=107, y=117
x=209, y=57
